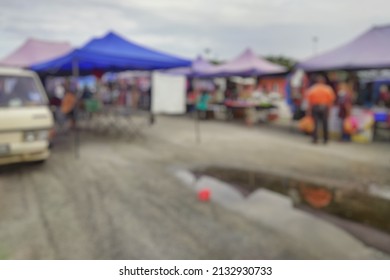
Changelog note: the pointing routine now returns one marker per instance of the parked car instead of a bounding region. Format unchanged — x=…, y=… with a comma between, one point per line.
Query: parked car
x=26, y=122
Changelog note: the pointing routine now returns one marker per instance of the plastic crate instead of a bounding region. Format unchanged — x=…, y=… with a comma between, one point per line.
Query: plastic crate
x=381, y=117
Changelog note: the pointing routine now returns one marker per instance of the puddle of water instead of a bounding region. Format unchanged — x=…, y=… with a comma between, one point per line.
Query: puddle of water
x=277, y=211
x=371, y=208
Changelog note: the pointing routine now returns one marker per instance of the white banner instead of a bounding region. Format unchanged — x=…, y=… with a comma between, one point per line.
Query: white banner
x=121, y=270
x=168, y=93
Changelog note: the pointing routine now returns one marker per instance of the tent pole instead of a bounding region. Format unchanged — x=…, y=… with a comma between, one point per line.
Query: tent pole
x=75, y=74
x=152, y=118
x=197, y=128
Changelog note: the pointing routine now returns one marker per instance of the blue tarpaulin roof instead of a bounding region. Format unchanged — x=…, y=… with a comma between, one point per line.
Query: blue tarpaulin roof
x=110, y=53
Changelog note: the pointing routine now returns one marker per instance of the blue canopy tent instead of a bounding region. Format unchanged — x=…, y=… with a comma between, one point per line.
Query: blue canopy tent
x=110, y=53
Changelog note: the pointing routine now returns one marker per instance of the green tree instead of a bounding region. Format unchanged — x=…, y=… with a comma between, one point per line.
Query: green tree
x=282, y=60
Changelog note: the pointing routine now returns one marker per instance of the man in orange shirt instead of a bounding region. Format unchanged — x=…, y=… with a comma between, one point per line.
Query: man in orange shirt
x=320, y=98
x=68, y=105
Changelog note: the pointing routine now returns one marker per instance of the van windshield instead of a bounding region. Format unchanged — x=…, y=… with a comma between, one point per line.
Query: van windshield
x=18, y=91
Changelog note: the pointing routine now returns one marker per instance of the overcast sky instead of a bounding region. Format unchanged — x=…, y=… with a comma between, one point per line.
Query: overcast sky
x=187, y=27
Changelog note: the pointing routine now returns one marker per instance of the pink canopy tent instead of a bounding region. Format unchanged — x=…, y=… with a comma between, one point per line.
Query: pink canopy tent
x=35, y=51
x=246, y=64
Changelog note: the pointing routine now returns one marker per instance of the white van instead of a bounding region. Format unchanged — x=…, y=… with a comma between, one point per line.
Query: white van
x=26, y=122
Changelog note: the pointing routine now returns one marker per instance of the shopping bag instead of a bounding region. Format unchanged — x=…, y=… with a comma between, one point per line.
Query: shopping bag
x=350, y=125
x=306, y=124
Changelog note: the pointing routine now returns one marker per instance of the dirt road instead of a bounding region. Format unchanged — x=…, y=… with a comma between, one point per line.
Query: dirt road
x=120, y=200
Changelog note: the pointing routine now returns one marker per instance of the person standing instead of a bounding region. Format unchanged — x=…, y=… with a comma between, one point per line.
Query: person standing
x=202, y=105
x=320, y=99
x=68, y=105
x=345, y=106
x=384, y=96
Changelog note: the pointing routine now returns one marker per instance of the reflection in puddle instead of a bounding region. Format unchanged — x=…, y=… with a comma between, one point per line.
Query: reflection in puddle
x=283, y=202
x=371, y=207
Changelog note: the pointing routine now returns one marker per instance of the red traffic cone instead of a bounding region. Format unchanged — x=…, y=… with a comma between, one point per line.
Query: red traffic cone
x=204, y=195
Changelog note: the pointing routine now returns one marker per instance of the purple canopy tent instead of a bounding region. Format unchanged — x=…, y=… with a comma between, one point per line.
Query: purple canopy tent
x=371, y=50
x=35, y=51
x=198, y=67
x=247, y=64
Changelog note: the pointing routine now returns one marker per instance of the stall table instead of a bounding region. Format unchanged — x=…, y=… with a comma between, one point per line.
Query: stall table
x=246, y=110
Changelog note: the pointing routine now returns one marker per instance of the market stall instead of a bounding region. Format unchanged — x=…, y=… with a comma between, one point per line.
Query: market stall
x=109, y=53
x=195, y=85
x=243, y=99
x=359, y=67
